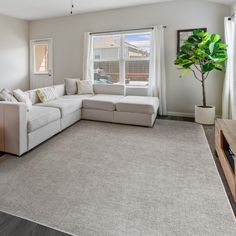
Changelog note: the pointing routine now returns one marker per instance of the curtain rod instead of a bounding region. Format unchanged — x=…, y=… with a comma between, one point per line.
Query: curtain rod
x=231, y=17
x=126, y=30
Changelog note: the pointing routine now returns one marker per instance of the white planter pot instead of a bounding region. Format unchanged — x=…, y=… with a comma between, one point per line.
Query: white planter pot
x=205, y=115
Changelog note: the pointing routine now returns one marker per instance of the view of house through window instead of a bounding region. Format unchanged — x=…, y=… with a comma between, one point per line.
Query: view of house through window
x=123, y=58
x=41, y=58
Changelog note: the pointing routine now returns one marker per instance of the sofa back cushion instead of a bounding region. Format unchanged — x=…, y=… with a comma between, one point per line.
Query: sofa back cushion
x=6, y=95
x=22, y=97
x=71, y=86
x=33, y=96
x=60, y=89
x=47, y=94
x=115, y=89
x=85, y=87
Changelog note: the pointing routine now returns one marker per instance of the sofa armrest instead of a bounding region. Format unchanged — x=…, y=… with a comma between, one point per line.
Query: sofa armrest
x=13, y=127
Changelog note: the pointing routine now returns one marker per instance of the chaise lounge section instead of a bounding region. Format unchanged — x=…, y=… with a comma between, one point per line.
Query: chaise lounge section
x=102, y=105
x=136, y=110
x=22, y=130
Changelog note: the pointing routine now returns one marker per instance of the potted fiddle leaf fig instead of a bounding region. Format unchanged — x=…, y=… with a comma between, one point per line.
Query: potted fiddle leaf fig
x=201, y=54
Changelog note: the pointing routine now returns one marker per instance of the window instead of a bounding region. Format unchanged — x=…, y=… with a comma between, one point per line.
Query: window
x=122, y=58
x=41, y=58
x=107, y=51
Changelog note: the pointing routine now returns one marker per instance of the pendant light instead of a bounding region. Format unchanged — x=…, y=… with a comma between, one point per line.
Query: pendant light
x=72, y=6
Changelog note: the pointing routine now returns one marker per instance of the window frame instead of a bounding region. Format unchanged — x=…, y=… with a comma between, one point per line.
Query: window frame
x=122, y=59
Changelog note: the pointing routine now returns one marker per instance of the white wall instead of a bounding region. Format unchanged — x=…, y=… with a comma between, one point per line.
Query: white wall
x=182, y=94
x=233, y=8
x=13, y=53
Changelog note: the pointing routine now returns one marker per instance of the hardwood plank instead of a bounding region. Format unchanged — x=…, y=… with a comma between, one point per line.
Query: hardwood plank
x=14, y=226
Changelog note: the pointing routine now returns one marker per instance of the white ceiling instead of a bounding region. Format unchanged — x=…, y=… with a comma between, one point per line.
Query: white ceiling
x=32, y=9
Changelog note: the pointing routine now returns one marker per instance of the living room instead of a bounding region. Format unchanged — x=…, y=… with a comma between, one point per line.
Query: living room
x=117, y=117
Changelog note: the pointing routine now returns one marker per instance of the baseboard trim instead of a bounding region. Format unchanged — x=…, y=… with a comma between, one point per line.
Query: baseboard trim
x=183, y=114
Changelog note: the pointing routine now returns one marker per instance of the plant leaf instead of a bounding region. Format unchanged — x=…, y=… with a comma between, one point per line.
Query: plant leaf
x=208, y=67
x=185, y=73
x=212, y=47
x=215, y=38
x=203, y=49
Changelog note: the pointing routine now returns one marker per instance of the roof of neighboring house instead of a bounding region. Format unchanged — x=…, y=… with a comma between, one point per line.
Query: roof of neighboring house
x=106, y=42
x=111, y=42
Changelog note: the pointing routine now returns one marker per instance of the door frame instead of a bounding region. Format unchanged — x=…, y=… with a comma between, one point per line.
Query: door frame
x=50, y=73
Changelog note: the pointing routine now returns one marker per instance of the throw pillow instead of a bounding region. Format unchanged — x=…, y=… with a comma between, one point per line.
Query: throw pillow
x=71, y=86
x=47, y=94
x=22, y=97
x=5, y=95
x=85, y=87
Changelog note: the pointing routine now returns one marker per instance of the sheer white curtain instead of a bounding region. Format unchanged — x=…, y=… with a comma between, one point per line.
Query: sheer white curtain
x=157, y=84
x=229, y=103
x=88, y=57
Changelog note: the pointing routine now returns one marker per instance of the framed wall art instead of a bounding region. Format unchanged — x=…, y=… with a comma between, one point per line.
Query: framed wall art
x=183, y=35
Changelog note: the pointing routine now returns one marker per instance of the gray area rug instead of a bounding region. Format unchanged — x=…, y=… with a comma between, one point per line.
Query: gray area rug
x=107, y=179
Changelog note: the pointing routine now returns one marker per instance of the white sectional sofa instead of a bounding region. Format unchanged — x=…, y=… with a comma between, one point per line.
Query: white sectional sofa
x=102, y=105
x=22, y=130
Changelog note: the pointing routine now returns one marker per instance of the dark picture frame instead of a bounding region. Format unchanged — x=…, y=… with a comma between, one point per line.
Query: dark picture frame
x=183, y=35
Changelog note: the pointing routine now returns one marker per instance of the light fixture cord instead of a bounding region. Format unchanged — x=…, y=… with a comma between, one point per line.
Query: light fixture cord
x=72, y=6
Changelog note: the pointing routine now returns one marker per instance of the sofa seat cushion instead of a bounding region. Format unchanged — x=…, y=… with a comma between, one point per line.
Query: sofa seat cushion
x=39, y=117
x=66, y=106
x=138, y=104
x=103, y=102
